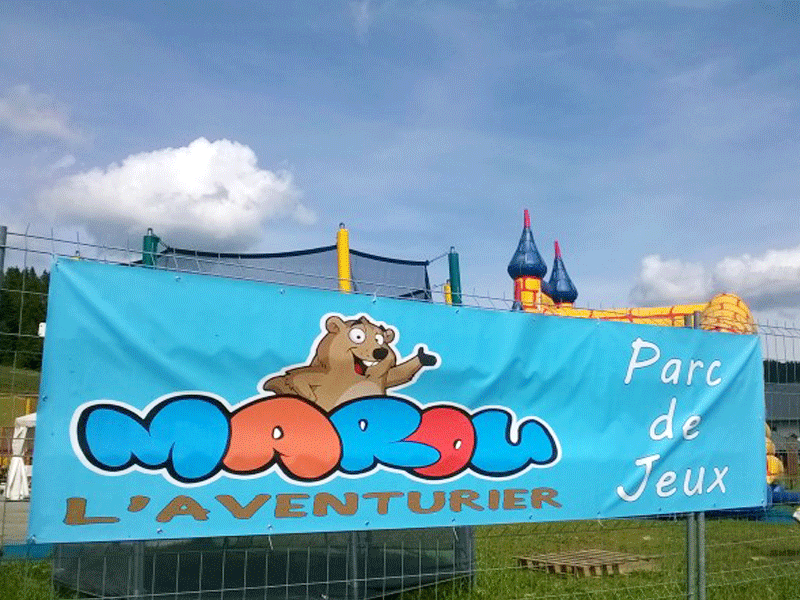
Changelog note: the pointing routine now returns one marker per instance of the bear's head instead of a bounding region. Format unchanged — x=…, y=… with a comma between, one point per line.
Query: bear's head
x=358, y=347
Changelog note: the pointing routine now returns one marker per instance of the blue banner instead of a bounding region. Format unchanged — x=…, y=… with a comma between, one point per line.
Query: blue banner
x=176, y=405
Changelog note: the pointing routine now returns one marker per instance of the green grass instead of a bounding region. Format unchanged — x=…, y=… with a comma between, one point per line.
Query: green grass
x=18, y=381
x=745, y=561
x=26, y=581
x=18, y=389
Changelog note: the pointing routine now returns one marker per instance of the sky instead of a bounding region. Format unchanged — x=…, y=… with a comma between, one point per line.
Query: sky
x=658, y=141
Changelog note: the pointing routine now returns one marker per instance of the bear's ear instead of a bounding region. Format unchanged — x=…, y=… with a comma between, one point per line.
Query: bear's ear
x=388, y=335
x=334, y=324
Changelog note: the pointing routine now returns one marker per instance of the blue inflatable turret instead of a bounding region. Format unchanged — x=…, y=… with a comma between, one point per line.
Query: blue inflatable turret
x=527, y=262
x=562, y=290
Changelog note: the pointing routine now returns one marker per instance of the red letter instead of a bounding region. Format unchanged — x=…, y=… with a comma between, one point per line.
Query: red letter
x=450, y=431
x=283, y=429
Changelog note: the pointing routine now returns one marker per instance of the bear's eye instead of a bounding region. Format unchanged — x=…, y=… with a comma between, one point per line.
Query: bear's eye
x=379, y=339
x=362, y=424
x=277, y=433
x=357, y=336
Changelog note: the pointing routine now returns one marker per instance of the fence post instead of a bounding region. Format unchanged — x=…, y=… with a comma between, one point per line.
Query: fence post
x=691, y=556
x=150, y=248
x=695, y=527
x=3, y=234
x=138, y=570
x=353, y=575
x=343, y=259
x=691, y=527
x=455, y=276
x=701, y=555
x=701, y=521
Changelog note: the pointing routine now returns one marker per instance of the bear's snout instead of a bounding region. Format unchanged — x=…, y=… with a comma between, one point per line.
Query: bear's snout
x=380, y=353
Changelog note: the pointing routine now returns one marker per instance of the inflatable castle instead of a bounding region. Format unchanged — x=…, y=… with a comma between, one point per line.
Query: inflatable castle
x=724, y=312
x=557, y=296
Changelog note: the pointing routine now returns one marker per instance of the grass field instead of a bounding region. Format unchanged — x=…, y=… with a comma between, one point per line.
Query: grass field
x=745, y=561
x=18, y=381
x=742, y=557
x=18, y=391
x=26, y=581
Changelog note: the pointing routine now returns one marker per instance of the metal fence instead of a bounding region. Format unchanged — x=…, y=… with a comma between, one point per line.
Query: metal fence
x=734, y=554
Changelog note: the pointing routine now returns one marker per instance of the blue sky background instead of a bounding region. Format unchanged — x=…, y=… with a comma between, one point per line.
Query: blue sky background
x=657, y=141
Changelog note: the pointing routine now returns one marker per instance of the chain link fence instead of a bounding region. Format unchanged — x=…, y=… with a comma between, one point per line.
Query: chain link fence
x=732, y=555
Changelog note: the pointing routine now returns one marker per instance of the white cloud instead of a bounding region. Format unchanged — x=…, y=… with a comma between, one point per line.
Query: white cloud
x=52, y=168
x=65, y=162
x=770, y=281
x=362, y=17
x=669, y=281
x=29, y=114
x=209, y=193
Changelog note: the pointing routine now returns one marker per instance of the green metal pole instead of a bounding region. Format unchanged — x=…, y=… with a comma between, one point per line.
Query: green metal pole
x=3, y=234
x=455, y=276
x=149, y=248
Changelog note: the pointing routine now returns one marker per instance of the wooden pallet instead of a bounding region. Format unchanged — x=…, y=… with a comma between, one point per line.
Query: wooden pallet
x=588, y=563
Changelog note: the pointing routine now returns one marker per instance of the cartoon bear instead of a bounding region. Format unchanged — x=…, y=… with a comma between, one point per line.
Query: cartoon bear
x=353, y=359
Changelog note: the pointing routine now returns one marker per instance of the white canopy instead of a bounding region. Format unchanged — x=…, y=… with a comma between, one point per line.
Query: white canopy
x=26, y=421
x=17, y=480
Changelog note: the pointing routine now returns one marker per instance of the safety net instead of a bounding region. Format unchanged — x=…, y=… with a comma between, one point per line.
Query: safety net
x=313, y=267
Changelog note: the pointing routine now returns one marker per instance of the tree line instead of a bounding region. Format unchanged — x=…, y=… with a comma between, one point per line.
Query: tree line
x=23, y=305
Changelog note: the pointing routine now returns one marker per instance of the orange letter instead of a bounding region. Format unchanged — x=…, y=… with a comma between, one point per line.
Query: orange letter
x=239, y=511
x=383, y=499
x=323, y=500
x=182, y=505
x=287, y=430
x=415, y=507
x=284, y=507
x=467, y=497
x=76, y=514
